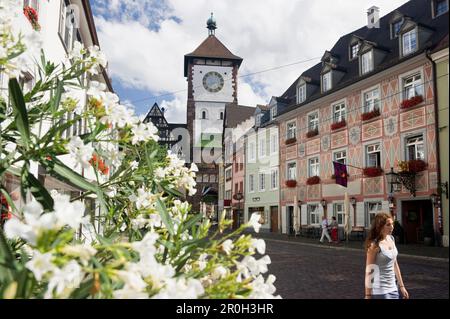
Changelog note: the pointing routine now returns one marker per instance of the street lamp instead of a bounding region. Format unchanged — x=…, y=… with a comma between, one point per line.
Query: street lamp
x=323, y=202
x=353, y=203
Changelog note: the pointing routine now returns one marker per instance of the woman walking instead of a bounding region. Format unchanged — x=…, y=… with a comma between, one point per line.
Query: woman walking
x=382, y=268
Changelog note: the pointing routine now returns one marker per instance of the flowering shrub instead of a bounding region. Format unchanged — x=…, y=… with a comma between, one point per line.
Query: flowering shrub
x=312, y=133
x=338, y=125
x=150, y=245
x=411, y=102
x=313, y=180
x=291, y=183
x=32, y=16
x=291, y=140
x=372, y=171
x=370, y=115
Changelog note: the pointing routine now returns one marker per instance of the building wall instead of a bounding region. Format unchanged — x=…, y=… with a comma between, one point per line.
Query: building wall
x=262, y=200
x=389, y=130
x=442, y=84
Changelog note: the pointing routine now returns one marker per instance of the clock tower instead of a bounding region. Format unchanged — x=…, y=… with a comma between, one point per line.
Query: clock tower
x=211, y=71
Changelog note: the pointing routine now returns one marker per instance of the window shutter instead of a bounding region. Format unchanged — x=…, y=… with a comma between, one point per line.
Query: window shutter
x=283, y=220
x=304, y=215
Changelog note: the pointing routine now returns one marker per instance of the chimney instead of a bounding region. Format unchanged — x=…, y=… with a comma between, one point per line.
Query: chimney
x=373, y=17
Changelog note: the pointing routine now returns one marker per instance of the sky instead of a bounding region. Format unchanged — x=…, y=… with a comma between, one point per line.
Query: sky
x=145, y=42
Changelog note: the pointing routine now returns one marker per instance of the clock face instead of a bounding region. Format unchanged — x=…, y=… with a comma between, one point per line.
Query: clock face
x=213, y=82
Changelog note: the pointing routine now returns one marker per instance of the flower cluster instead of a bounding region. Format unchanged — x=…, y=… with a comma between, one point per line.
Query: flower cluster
x=412, y=166
x=99, y=164
x=32, y=16
x=312, y=133
x=291, y=183
x=338, y=125
x=411, y=102
x=313, y=180
x=370, y=115
x=372, y=171
x=291, y=140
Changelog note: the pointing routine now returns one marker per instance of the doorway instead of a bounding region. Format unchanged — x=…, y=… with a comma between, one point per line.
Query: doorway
x=417, y=217
x=274, y=219
x=290, y=220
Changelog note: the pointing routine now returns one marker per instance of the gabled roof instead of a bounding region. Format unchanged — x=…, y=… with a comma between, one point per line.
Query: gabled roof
x=211, y=47
x=419, y=11
x=235, y=114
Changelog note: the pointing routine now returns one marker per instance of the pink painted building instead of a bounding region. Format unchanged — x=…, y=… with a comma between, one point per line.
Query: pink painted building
x=370, y=104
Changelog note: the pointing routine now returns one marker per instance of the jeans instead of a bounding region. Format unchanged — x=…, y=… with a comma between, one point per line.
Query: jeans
x=390, y=295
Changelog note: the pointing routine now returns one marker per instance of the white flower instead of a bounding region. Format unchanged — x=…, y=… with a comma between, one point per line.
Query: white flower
x=64, y=280
x=40, y=264
x=194, y=167
x=78, y=51
x=227, y=246
x=263, y=290
x=83, y=251
x=129, y=294
x=69, y=213
x=134, y=165
x=202, y=262
x=181, y=288
x=219, y=272
x=96, y=89
x=132, y=280
x=80, y=152
x=258, y=244
x=14, y=228
x=254, y=222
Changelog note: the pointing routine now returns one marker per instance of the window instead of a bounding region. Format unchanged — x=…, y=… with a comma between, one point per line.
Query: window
x=228, y=174
x=205, y=178
x=395, y=28
x=301, y=93
x=236, y=189
x=236, y=166
x=262, y=182
x=274, y=178
x=326, y=81
x=366, y=62
x=221, y=116
x=262, y=147
x=67, y=25
x=291, y=130
x=339, y=214
x=313, y=121
x=339, y=112
x=241, y=165
x=409, y=40
x=340, y=157
x=354, y=51
x=258, y=119
x=273, y=112
x=228, y=194
x=415, y=148
x=314, y=215
x=412, y=86
x=204, y=115
x=251, y=150
x=373, y=155
x=372, y=208
x=241, y=187
x=440, y=7
x=371, y=100
x=251, y=183
x=291, y=171
x=313, y=167
x=212, y=178
x=274, y=143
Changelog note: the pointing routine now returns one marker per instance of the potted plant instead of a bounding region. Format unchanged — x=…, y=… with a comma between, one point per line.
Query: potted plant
x=291, y=140
x=313, y=180
x=372, y=171
x=411, y=102
x=291, y=183
x=370, y=115
x=312, y=133
x=338, y=125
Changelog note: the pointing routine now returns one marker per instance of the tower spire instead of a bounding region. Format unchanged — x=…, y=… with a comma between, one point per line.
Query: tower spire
x=211, y=25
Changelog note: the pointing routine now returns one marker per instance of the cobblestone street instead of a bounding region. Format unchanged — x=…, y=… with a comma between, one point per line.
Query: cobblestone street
x=310, y=271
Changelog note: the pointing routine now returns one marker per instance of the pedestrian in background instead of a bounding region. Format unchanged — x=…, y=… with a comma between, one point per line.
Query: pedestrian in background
x=334, y=229
x=325, y=230
x=382, y=268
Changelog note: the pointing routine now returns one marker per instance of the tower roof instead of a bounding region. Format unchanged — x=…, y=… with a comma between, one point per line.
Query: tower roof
x=211, y=47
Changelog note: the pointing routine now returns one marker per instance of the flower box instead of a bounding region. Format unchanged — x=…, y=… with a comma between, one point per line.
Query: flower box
x=291, y=140
x=313, y=180
x=312, y=133
x=406, y=104
x=338, y=125
x=412, y=166
x=32, y=16
x=291, y=183
x=227, y=202
x=370, y=115
x=372, y=171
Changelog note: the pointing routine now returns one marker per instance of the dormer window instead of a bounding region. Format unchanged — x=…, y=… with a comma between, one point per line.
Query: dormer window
x=258, y=119
x=273, y=112
x=395, y=28
x=409, y=42
x=301, y=93
x=354, y=48
x=367, y=62
x=439, y=7
x=326, y=81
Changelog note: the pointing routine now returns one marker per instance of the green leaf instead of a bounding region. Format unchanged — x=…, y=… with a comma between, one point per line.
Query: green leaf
x=171, y=191
x=7, y=264
x=40, y=193
x=57, y=97
x=162, y=210
x=83, y=291
x=191, y=222
x=20, y=111
x=58, y=169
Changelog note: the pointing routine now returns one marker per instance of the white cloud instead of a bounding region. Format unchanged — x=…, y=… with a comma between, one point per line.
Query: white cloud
x=265, y=33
